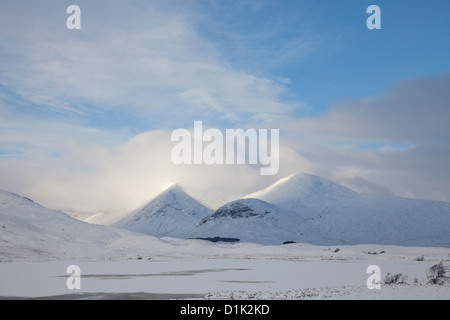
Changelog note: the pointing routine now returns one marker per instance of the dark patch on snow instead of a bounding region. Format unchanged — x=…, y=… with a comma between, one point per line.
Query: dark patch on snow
x=219, y=239
x=233, y=211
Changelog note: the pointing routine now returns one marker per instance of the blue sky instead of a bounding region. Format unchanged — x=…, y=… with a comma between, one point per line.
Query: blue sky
x=352, y=104
x=341, y=58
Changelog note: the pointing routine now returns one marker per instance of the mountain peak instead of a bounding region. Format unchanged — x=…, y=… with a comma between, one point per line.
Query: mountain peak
x=300, y=188
x=170, y=211
x=305, y=177
x=173, y=187
x=173, y=192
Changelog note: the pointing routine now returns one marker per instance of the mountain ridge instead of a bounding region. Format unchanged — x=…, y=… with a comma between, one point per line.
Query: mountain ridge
x=302, y=208
x=327, y=213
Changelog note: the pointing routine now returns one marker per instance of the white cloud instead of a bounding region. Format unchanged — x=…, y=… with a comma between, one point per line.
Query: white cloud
x=412, y=111
x=90, y=177
x=410, y=118
x=82, y=169
x=151, y=62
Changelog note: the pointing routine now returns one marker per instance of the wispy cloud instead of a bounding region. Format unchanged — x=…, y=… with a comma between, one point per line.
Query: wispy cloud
x=154, y=63
x=259, y=35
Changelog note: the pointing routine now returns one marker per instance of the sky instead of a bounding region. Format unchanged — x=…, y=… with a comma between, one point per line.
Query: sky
x=86, y=115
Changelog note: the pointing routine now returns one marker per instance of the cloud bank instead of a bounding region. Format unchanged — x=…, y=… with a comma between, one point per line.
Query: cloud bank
x=399, y=138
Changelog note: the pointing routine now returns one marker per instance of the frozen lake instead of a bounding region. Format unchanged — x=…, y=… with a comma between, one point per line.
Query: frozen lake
x=183, y=278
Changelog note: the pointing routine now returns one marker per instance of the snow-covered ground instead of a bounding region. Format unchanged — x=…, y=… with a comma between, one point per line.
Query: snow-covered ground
x=388, y=292
x=241, y=271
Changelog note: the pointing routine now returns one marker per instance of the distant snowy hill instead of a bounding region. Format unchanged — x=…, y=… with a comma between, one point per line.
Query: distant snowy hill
x=337, y=215
x=26, y=228
x=302, y=208
x=250, y=220
x=307, y=194
x=29, y=231
x=169, y=214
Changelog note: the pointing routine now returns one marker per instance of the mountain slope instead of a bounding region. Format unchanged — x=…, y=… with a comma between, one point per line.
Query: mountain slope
x=307, y=194
x=26, y=228
x=337, y=215
x=167, y=215
x=250, y=220
x=31, y=232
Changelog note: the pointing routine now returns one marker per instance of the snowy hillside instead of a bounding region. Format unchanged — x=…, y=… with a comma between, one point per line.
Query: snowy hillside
x=26, y=228
x=306, y=193
x=168, y=214
x=337, y=215
x=29, y=231
x=250, y=220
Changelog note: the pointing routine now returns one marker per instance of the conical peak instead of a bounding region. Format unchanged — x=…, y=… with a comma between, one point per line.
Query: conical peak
x=297, y=186
x=310, y=181
x=174, y=187
x=303, y=176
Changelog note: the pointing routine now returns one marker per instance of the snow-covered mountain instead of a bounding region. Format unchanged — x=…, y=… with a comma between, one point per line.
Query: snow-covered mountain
x=250, y=220
x=169, y=214
x=27, y=228
x=302, y=208
x=29, y=231
x=336, y=215
x=306, y=194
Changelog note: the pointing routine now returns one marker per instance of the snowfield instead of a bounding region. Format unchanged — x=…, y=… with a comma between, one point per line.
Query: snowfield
x=231, y=278
x=391, y=292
